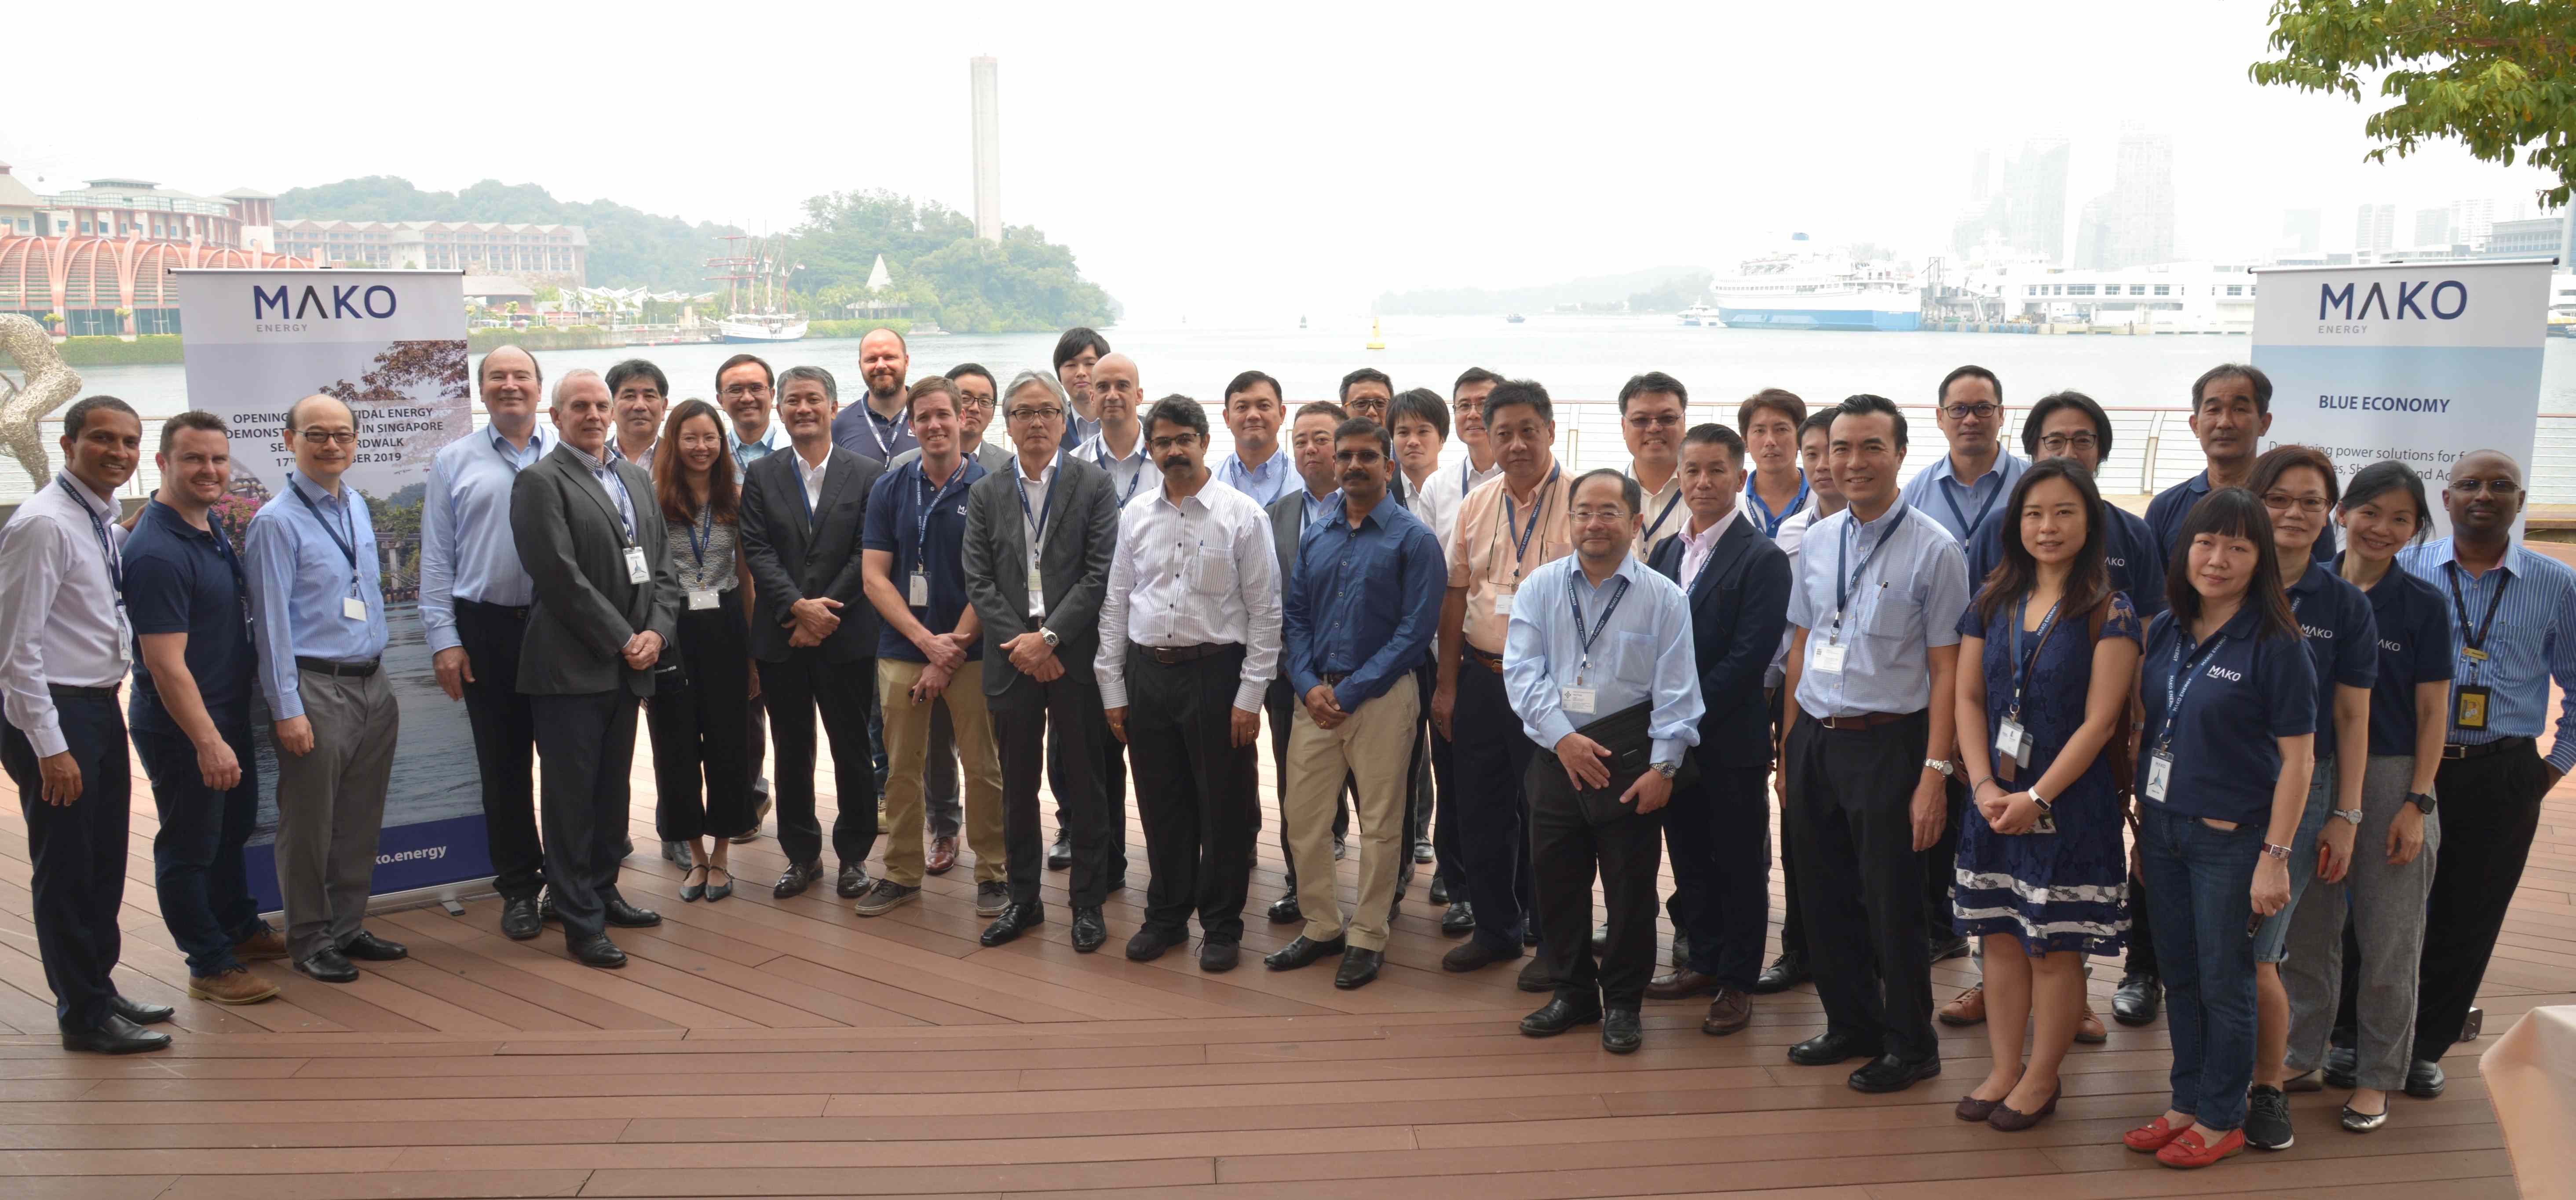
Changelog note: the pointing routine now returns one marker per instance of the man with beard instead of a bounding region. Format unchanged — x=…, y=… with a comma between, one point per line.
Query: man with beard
x=1311, y=441
x=1077, y=356
x=880, y=427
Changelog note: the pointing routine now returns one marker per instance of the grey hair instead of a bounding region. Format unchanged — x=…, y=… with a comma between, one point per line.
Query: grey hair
x=831, y=389
x=1041, y=378
x=572, y=376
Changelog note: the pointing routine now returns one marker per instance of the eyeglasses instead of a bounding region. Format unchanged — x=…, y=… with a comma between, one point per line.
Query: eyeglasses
x=2283, y=501
x=747, y=389
x=1655, y=421
x=1048, y=413
x=1599, y=516
x=2060, y=443
x=2498, y=488
x=1464, y=407
x=1961, y=412
x=1175, y=441
x=965, y=402
x=318, y=437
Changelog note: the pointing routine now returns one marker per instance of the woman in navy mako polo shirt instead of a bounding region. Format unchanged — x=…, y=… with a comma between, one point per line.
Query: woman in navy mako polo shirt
x=2392, y=864
x=2297, y=487
x=2230, y=702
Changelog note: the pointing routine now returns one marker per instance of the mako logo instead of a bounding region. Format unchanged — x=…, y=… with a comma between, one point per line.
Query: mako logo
x=352, y=303
x=2446, y=301
x=2231, y=676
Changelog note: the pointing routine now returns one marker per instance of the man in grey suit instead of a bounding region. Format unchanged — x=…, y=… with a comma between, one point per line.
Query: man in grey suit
x=1311, y=443
x=1040, y=612
x=592, y=539
x=812, y=630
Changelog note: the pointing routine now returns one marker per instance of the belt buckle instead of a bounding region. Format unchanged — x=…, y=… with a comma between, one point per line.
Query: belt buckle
x=2455, y=750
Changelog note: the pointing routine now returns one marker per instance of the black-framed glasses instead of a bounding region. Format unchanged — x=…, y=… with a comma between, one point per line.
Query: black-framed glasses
x=2060, y=443
x=1962, y=412
x=345, y=437
x=1048, y=413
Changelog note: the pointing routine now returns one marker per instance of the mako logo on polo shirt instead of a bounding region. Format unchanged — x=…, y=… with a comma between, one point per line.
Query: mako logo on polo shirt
x=2231, y=676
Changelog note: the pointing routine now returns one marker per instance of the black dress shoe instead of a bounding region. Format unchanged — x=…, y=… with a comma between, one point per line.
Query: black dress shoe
x=328, y=965
x=796, y=879
x=1785, y=972
x=1475, y=954
x=1089, y=931
x=1460, y=920
x=597, y=951
x=2425, y=1080
x=1827, y=1048
x=1303, y=952
x=1888, y=1073
x=1060, y=855
x=1014, y=921
x=1559, y=1015
x=1621, y=1031
x=2343, y=1067
x=140, y=1014
x=1359, y=968
x=1216, y=958
x=2136, y=1000
x=627, y=916
x=1439, y=890
x=367, y=947
x=852, y=880
x=546, y=913
x=1949, y=948
x=1150, y=943
x=520, y=919
x=115, y=1035
x=1284, y=909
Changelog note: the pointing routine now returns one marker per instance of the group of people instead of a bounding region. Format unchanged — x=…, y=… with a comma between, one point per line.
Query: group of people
x=1970, y=682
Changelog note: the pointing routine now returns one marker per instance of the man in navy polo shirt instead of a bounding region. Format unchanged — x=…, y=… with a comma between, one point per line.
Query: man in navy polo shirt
x=2231, y=410
x=190, y=721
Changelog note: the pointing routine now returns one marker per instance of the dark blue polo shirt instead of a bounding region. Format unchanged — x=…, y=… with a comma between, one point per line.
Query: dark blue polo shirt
x=181, y=579
x=2254, y=691
x=2343, y=642
x=2131, y=553
x=2166, y=511
x=897, y=525
x=2414, y=630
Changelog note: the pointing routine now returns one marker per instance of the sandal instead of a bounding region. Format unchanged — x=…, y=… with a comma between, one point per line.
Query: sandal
x=718, y=891
x=692, y=891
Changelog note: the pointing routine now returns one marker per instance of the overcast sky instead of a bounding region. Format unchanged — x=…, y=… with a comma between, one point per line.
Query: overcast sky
x=1243, y=161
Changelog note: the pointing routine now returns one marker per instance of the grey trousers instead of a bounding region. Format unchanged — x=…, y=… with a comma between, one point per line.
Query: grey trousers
x=331, y=806
x=2387, y=908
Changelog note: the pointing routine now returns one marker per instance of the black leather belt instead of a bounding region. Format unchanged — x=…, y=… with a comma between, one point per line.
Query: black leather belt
x=515, y=612
x=2457, y=751
x=324, y=666
x=1174, y=655
x=1491, y=662
x=1333, y=678
x=65, y=691
x=1862, y=721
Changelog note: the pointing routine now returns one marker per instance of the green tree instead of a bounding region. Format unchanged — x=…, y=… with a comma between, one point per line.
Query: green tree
x=2498, y=75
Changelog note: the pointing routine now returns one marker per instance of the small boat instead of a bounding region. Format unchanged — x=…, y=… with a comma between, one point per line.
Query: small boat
x=761, y=327
x=1699, y=314
x=1515, y=318
x=1377, y=340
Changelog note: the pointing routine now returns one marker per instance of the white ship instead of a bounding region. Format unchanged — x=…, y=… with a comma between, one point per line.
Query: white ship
x=1700, y=314
x=1804, y=288
x=752, y=283
x=761, y=327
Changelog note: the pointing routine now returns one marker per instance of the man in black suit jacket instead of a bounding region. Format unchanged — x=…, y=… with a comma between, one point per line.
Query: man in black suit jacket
x=1311, y=449
x=1737, y=583
x=592, y=539
x=1041, y=619
x=812, y=630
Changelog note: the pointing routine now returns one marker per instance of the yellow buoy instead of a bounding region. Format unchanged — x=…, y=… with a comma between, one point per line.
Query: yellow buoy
x=1377, y=340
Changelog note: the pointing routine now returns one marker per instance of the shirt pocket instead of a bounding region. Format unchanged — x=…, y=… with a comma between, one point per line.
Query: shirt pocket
x=1893, y=615
x=1211, y=571
x=1633, y=658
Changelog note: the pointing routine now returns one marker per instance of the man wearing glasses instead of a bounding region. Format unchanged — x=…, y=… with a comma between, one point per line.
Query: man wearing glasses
x=1651, y=408
x=318, y=608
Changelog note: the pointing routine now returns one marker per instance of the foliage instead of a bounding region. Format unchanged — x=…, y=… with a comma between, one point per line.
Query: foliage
x=410, y=376
x=1673, y=295
x=2499, y=75
x=940, y=267
x=855, y=329
x=117, y=352
x=628, y=247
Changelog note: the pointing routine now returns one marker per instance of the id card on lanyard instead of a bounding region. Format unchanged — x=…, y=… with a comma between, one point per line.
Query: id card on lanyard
x=1581, y=698
x=1828, y=658
x=1033, y=524
x=2177, y=685
x=702, y=598
x=354, y=605
x=1521, y=540
x=2472, y=703
x=115, y=570
x=919, y=592
x=2012, y=740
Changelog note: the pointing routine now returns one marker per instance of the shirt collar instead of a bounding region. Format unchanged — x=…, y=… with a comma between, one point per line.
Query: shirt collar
x=596, y=466
x=1267, y=467
x=618, y=453
x=1944, y=469
x=2447, y=551
x=321, y=495
x=1629, y=567
x=2313, y=580
x=1879, y=526
x=1098, y=446
x=1020, y=469
x=2239, y=627
x=162, y=514
x=537, y=442
x=105, y=506
x=774, y=437
x=1708, y=537
x=1379, y=513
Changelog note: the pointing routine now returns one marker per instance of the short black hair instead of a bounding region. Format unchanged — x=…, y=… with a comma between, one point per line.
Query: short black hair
x=2245, y=371
x=2389, y=475
x=768, y=377
x=1779, y=400
x=1421, y=404
x=200, y=419
x=977, y=370
x=1822, y=418
x=1244, y=382
x=2056, y=400
x=1651, y=381
x=1325, y=408
x=1520, y=391
x=76, y=418
x=1177, y=409
x=1864, y=404
x=2232, y=512
x=534, y=367
x=1713, y=434
x=1070, y=346
x=2282, y=459
x=1630, y=493
x=831, y=387
x=1364, y=375
x=1363, y=427
x=619, y=374
x=1473, y=375
x=1971, y=371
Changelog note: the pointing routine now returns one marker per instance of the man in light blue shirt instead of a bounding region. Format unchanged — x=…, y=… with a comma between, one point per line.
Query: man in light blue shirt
x=1253, y=414
x=1117, y=441
x=1964, y=490
x=474, y=613
x=1873, y=655
x=1597, y=642
x=318, y=610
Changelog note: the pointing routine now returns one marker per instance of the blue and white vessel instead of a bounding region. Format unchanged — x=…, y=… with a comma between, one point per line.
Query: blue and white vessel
x=1804, y=288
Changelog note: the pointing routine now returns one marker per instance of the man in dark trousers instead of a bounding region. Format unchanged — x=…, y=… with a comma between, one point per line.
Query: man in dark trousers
x=812, y=631
x=1038, y=541
x=593, y=542
x=1310, y=443
x=1737, y=583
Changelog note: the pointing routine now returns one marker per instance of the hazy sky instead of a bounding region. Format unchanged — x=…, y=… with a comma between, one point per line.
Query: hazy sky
x=1236, y=162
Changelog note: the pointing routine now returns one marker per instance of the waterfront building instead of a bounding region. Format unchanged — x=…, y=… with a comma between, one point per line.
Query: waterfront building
x=556, y=254
x=2162, y=297
x=2432, y=228
x=99, y=257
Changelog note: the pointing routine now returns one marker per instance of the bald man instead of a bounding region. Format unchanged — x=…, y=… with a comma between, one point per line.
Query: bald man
x=879, y=427
x=318, y=612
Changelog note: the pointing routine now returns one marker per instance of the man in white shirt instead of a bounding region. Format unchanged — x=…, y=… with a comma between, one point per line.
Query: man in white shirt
x=64, y=633
x=1478, y=464
x=1652, y=414
x=1191, y=627
x=1255, y=467
x=1815, y=435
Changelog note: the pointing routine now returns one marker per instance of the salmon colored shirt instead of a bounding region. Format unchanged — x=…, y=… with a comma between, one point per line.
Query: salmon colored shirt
x=1490, y=563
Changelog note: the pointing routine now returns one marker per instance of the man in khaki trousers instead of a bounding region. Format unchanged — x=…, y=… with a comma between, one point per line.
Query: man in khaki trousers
x=1361, y=611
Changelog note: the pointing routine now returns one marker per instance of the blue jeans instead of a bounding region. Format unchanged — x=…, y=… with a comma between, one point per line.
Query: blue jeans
x=197, y=857
x=2272, y=941
x=2199, y=884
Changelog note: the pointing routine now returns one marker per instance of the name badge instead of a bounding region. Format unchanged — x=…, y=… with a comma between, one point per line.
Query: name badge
x=636, y=571
x=1037, y=584
x=1827, y=658
x=2469, y=707
x=701, y=599
x=1578, y=700
x=353, y=608
x=2013, y=743
x=920, y=594
x=2159, y=775
x=1503, y=602
x=124, y=637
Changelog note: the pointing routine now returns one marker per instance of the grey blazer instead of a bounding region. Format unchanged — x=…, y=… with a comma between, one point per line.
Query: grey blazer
x=791, y=560
x=1081, y=533
x=1287, y=527
x=574, y=547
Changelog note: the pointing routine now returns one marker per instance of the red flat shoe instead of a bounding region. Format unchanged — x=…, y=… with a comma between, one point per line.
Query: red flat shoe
x=2186, y=1152
x=2152, y=1136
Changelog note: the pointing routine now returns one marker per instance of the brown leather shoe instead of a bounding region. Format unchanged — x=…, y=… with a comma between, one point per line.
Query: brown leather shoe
x=265, y=946
x=2088, y=1028
x=943, y=855
x=1682, y=984
x=236, y=986
x=1968, y=1009
x=1732, y=1010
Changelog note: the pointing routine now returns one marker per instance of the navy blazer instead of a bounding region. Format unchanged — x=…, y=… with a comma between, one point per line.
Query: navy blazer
x=1739, y=606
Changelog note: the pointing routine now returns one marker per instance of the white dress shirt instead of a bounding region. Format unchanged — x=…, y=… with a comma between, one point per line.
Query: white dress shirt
x=1034, y=497
x=1792, y=535
x=1664, y=513
x=1128, y=475
x=466, y=551
x=1449, y=487
x=813, y=479
x=60, y=617
x=1197, y=572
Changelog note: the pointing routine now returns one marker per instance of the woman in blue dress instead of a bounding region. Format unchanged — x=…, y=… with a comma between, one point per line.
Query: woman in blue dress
x=2041, y=875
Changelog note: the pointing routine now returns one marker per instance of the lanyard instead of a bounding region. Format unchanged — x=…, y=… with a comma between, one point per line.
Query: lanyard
x=2022, y=663
x=1574, y=596
x=1843, y=580
x=1772, y=522
x=501, y=446
x=1038, y=520
x=348, y=544
x=106, y=546
x=2475, y=644
x=1968, y=528
x=702, y=536
x=1669, y=506
x=921, y=519
x=1521, y=541
x=885, y=445
x=625, y=515
x=2178, y=684
x=1108, y=464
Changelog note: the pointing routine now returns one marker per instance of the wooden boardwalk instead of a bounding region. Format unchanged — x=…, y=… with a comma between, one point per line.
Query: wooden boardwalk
x=786, y=1048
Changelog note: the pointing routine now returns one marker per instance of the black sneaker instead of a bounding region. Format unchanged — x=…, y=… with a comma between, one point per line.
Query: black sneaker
x=885, y=897
x=2267, y=1119
x=991, y=897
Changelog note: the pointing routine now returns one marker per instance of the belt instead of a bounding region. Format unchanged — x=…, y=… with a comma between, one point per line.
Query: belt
x=1863, y=721
x=1491, y=662
x=2458, y=751
x=324, y=666
x=1333, y=678
x=1174, y=655
x=516, y=612
x=65, y=691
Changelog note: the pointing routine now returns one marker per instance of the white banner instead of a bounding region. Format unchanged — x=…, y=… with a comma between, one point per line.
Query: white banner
x=2419, y=362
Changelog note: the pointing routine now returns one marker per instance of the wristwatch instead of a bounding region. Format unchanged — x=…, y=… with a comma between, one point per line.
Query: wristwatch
x=2423, y=802
x=2274, y=850
x=1047, y=635
x=1940, y=764
x=1665, y=769
x=2350, y=814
